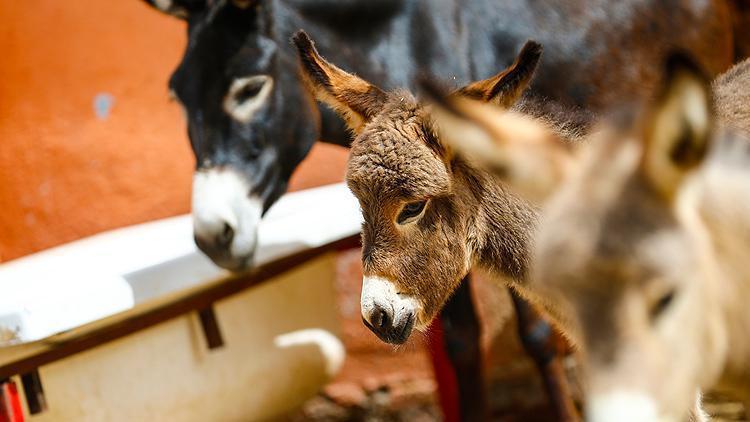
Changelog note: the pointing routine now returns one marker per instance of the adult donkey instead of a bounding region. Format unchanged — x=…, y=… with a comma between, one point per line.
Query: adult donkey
x=250, y=123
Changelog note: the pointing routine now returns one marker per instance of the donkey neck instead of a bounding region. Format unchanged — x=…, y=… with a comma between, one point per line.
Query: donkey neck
x=501, y=224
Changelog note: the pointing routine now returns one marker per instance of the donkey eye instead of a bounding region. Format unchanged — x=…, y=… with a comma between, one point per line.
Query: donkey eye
x=411, y=212
x=252, y=89
x=246, y=96
x=662, y=304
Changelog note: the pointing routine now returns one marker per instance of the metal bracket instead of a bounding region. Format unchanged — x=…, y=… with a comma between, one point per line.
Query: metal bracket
x=210, y=326
x=32, y=387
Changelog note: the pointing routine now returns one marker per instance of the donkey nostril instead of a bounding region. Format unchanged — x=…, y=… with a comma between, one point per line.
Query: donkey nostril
x=383, y=320
x=224, y=239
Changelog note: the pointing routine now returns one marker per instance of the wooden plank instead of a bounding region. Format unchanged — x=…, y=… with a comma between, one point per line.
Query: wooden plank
x=177, y=305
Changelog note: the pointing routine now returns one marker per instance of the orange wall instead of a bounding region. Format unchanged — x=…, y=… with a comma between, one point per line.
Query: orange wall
x=66, y=173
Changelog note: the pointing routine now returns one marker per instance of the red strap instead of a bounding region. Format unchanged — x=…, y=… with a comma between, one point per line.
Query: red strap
x=10, y=403
x=445, y=374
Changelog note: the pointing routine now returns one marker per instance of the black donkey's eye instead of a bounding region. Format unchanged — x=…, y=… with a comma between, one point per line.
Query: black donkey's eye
x=411, y=211
x=251, y=90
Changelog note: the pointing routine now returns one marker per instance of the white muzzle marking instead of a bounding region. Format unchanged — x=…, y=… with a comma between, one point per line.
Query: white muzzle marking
x=221, y=196
x=381, y=292
x=622, y=406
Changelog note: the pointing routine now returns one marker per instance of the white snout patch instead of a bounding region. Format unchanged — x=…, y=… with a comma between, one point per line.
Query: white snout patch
x=330, y=346
x=220, y=196
x=246, y=96
x=381, y=292
x=622, y=406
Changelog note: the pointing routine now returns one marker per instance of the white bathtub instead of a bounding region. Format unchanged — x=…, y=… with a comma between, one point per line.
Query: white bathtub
x=280, y=337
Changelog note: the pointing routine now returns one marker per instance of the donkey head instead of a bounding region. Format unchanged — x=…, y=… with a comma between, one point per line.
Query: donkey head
x=249, y=120
x=415, y=196
x=615, y=246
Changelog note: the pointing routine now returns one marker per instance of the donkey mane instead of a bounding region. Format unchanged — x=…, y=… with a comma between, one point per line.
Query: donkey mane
x=571, y=124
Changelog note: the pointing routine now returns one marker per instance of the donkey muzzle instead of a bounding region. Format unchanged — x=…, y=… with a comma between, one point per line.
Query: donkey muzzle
x=387, y=313
x=225, y=217
x=622, y=406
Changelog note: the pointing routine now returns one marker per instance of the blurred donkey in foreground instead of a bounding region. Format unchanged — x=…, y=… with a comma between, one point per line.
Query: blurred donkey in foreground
x=645, y=235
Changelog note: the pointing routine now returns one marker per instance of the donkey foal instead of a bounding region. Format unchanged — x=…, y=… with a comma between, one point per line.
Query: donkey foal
x=429, y=214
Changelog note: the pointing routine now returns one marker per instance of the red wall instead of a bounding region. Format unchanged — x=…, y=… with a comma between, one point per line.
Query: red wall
x=64, y=172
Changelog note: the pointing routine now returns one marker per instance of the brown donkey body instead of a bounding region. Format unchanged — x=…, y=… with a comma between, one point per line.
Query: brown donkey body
x=429, y=214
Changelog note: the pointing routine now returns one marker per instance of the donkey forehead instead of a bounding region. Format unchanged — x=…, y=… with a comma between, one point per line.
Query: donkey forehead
x=606, y=222
x=392, y=157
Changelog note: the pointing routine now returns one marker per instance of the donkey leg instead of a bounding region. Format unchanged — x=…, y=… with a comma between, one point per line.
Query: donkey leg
x=539, y=340
x=462, y=342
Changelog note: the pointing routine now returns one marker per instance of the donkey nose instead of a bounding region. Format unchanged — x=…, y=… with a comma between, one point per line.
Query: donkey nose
x=225, y=236
x=380, y=319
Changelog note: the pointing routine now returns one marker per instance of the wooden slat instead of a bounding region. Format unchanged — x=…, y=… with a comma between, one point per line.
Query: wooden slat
x=193, y=300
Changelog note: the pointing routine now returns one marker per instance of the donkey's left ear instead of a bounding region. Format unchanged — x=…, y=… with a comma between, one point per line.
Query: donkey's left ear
x=353, y=98
x=678, y=126
x=505, y=88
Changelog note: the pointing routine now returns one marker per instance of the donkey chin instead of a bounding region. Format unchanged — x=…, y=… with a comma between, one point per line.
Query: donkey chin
x=391, y=315
x=225, y=217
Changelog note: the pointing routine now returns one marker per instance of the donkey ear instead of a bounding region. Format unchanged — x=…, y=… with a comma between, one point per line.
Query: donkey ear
x=353, y=98
x=522, y=151
x=678, y=126
x=178, y=8
x=505, y=88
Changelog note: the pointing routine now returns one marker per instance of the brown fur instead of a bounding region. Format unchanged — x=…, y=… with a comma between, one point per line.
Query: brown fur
x=732, y=98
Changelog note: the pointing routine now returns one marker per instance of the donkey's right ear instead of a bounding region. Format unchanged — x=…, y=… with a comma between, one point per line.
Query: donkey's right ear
x=353, y=98
x=506, y=87
x=678, y=126
x=178, y=8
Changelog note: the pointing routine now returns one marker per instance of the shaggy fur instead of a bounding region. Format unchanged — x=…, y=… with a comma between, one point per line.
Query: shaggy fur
x=398, y=157
x=732, y=98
